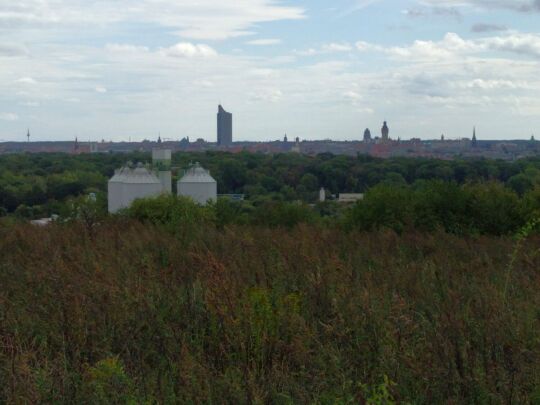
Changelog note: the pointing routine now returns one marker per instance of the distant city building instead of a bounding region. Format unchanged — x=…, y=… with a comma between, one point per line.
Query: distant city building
x=28, y=135
x=367, y=135
x=296, y=147
x=474, y=142
x=224, y=127
x=285, y=139
x=198, y=185
x=385, y=132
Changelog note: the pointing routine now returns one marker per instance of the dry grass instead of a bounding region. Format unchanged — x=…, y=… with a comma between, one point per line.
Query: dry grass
x=255, y=315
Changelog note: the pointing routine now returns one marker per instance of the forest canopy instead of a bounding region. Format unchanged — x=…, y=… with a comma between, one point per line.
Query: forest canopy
x=460, y=196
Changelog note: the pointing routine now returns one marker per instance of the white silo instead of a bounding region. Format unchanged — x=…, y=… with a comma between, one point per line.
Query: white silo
x=140, y=183
x=115, y=190
x=128, y=184
x=198, y=184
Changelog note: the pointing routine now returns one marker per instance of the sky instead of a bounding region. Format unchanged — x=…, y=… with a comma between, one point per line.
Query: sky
x=316, y=69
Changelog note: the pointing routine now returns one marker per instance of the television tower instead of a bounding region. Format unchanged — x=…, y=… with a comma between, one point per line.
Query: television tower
x=28, y=135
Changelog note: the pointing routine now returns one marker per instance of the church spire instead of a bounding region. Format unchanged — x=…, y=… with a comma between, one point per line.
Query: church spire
x=474, y=141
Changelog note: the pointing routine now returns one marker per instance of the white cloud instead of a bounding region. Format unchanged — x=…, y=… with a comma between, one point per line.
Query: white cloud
x=125, y=48
x=203, y=19
x=352, y=95
x=267, y=95
x=26, y=80
x=333, y=47
x=452, y=44
x=101, y=89
x=203, y=83
x=8, y=116
x=188, y=50
x=337, y=47
x=493, y=84
x=30, y=103
x=264, y=42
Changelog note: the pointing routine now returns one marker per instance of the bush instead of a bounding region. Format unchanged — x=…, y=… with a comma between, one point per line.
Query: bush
x=383, y=206
x=178, y=215
x=282, y=214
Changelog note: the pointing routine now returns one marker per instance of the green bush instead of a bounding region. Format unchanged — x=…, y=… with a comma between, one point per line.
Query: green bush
x=178, y=215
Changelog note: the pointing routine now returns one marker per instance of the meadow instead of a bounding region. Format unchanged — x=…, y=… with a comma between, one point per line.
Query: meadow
x=125, y=311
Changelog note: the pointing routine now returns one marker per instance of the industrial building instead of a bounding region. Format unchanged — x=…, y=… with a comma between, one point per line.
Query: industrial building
x=130, y=183
x=224, y=127
x=161, y=164
x=198, y=184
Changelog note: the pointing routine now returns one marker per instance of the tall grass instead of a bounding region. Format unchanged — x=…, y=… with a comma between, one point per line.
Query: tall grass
x=134, y=314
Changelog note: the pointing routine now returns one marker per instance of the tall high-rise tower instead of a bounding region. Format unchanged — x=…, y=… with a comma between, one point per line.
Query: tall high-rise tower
x=224, y=127
x=385, y=131
x=474, y=141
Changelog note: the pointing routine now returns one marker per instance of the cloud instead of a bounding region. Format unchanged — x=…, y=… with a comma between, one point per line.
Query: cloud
x=8, y=116
x=12, y=50
x=189, y=50
x=267, y=95
x=101, y=90
x=30, y=103
x=525, y=44
x=452, y=12
x=452, y=44
x=264, y=42
x=26, y=80
x=333, y=47
x=125, y=48
x=524, y=6
x=203, y=19
x=482, y=27
x=337, y=47
x=352, y=95
x=493, y=84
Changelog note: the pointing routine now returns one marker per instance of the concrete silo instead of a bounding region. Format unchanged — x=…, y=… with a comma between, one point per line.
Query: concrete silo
x=115, y=190
x=129, y=184
x=198, y=184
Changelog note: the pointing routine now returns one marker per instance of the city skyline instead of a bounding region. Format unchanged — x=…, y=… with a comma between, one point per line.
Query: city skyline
x=97, y=70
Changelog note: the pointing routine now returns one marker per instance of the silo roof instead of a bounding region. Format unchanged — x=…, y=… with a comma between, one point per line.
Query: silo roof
x=197, y=174
x=139, y=175
x=119, y=175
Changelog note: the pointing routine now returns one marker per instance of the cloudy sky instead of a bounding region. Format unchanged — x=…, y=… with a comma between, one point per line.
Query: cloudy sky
x=317, y=69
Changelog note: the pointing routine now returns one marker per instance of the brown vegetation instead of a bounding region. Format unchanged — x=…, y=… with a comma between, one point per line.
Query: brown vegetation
x=132, y=313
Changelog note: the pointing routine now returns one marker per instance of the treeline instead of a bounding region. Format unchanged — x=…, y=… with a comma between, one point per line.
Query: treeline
x=123, y=312
x=468, y=209
x=33, y=185
x=428, y=206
